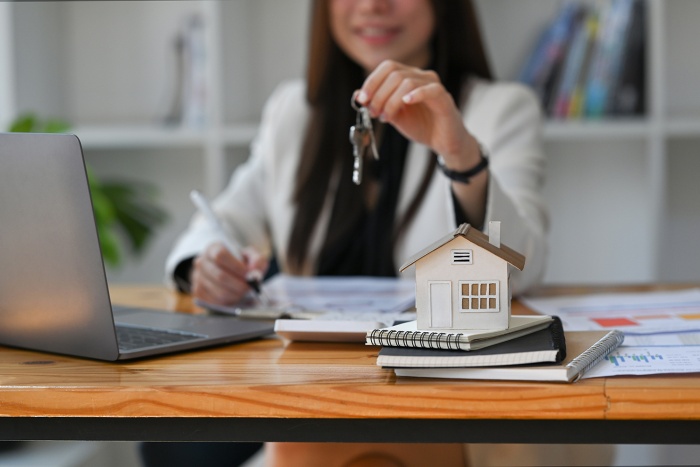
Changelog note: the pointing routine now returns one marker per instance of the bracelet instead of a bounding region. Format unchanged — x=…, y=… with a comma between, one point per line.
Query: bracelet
x=464, y=177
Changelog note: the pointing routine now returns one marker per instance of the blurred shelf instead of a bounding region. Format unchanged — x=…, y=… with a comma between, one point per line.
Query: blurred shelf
x=242, y=134
x=683, y=126
x=239, y=134
x=137, y=136
x=604, y=129
x=621, y=129
x=157, y=136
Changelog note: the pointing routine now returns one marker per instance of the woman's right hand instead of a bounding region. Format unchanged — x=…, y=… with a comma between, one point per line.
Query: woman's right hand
x=220, y=279
x=417, y=104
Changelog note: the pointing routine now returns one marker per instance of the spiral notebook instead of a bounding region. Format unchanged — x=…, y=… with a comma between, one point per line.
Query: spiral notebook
x=544, y=346
x=584, y=350
x=408, y=335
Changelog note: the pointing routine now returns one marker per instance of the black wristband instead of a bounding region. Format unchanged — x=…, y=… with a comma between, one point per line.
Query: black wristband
x=464, y=177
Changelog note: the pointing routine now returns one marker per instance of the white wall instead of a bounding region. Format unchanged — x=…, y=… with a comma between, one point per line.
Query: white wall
x=680, y=258
x=255, y=61
x=121, y=59
x=598, y=199
x=40, y=58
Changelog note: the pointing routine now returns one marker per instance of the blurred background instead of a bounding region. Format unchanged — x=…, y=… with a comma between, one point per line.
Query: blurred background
x=169, y=93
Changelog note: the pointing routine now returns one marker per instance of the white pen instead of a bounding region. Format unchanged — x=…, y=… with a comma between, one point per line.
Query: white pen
x=203, y=206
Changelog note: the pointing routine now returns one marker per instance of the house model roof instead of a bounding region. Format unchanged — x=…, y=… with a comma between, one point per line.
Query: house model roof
x=476, y=237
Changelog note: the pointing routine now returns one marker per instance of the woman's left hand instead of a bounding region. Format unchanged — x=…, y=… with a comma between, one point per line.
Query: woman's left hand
x=417, y=104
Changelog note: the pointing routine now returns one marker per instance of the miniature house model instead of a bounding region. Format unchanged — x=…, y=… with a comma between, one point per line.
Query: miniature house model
x=463, y=281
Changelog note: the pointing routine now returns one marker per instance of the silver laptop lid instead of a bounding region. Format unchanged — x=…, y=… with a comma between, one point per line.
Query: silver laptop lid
x=53, y=289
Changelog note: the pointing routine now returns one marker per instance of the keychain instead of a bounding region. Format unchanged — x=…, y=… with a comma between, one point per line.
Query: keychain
x=362, y=139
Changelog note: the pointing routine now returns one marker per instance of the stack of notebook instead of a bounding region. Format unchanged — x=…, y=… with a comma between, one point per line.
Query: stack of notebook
x=534, y=348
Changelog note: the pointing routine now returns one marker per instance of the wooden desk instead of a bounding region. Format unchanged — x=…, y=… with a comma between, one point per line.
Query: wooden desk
x=273, y=390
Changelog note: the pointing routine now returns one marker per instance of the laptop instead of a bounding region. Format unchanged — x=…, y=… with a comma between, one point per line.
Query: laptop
x=53, y=287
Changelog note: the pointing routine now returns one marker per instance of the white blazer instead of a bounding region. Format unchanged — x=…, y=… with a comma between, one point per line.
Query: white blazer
x=504, y=117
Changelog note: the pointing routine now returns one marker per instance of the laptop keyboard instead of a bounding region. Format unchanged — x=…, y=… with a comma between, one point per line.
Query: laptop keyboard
x=131, y=338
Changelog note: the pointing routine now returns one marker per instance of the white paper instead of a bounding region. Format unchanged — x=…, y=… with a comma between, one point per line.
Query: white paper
x=342, y=294
x=357, y=298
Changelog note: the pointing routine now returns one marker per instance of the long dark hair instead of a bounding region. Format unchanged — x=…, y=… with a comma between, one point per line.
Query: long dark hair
x=332, y=77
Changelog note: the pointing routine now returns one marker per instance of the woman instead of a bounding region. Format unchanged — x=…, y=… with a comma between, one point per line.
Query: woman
x=420, y=68
x=453, y=147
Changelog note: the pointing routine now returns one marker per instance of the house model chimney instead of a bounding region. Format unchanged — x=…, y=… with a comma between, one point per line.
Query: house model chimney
x=495, y=233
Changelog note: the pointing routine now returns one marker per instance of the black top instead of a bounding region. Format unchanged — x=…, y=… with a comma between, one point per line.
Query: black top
x=366, y=249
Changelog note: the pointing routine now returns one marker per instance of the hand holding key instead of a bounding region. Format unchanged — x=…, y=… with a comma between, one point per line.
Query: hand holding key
x=362, y=139
x=417, y=104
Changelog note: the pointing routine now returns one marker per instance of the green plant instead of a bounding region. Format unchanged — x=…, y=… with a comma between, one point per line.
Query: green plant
x=125, y=210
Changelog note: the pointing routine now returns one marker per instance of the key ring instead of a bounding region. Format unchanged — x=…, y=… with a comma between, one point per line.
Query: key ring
x=353, y=102
x=363, y=119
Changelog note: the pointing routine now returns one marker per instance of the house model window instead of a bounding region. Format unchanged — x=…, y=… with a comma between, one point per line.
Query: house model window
x=479, y=295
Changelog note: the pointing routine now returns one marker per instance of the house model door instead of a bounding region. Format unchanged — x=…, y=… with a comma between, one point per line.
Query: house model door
x=440, y=303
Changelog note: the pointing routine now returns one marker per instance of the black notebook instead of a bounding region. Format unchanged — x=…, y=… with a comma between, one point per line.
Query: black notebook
x=545, y=345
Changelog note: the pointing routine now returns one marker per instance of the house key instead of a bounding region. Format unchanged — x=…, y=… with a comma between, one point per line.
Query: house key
x=362, y=138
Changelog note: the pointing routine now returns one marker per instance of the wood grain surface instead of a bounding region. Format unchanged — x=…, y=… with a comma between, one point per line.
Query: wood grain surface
x=274, y=378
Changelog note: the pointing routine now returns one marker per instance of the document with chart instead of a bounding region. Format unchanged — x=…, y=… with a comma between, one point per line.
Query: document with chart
x=662, y=329
x=674, y=315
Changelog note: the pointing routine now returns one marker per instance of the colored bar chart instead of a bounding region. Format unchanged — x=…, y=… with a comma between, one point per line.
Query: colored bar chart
x=619, y=359
x=648, y=361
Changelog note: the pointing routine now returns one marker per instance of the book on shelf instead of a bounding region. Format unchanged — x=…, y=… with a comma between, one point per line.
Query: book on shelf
x=584, y=349
x=545, y=345
x=629, y=90
x=568, y=95
x=542, y=69
x=408, y=335
x=577, y=97
x=589, y=61
x=605, y=65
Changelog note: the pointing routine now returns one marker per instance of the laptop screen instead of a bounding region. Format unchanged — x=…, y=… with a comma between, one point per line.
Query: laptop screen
x=53, y=289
